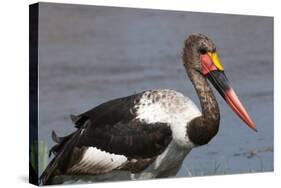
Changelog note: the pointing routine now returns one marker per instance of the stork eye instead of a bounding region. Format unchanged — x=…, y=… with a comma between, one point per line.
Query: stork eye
x=203, y=50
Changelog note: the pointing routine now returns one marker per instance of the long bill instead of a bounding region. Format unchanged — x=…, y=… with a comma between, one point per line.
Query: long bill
x=221, y=83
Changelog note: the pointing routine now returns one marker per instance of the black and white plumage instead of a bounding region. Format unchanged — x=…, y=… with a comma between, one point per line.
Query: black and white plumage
x=130, y=133
x=147, y=134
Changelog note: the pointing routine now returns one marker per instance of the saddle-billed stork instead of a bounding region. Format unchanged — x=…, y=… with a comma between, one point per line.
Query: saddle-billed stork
x=148, y=134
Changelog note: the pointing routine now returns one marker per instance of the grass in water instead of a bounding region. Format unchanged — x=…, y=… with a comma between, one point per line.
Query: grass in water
x=39, y=156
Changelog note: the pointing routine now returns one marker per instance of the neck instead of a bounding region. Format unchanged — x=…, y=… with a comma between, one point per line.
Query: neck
x=203, y=128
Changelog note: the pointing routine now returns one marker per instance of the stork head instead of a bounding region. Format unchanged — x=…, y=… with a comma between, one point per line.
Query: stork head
x=200, y=55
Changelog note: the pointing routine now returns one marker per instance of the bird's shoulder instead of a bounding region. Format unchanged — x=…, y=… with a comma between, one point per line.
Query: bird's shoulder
x=146, y=103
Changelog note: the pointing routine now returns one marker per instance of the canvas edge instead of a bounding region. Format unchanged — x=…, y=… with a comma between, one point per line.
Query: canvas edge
x=33, y=93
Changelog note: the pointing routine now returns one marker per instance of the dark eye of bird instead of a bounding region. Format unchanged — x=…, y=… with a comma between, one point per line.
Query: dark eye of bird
x=203, y=50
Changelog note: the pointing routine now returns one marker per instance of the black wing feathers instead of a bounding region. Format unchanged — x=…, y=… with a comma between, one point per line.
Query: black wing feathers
x=60, y=162
x=111, y=127
x=133, y=139
x=111, y=112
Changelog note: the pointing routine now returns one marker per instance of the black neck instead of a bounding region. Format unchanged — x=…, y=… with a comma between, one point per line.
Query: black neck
x=202, y=129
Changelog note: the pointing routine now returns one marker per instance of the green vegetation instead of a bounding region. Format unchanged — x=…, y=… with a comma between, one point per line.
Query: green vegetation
x=39, y=156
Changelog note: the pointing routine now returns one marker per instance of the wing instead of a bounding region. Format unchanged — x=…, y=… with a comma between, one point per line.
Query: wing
x=111, y=112
x=128, y=146
x=133, y=139
x=111, y=138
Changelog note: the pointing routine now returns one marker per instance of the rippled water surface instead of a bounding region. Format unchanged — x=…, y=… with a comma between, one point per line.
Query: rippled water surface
x=88, y=55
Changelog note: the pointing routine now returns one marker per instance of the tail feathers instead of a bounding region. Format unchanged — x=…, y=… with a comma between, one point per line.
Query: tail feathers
x=62, y=151
x=74, y=118
x=44, y=178
x=60, y=142
x=79, y=121
x=56, y=138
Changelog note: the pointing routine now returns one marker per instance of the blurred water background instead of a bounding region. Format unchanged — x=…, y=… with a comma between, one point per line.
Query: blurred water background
x=89, y=55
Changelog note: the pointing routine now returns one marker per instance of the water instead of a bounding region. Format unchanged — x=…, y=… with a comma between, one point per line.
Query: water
x=89, y=55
